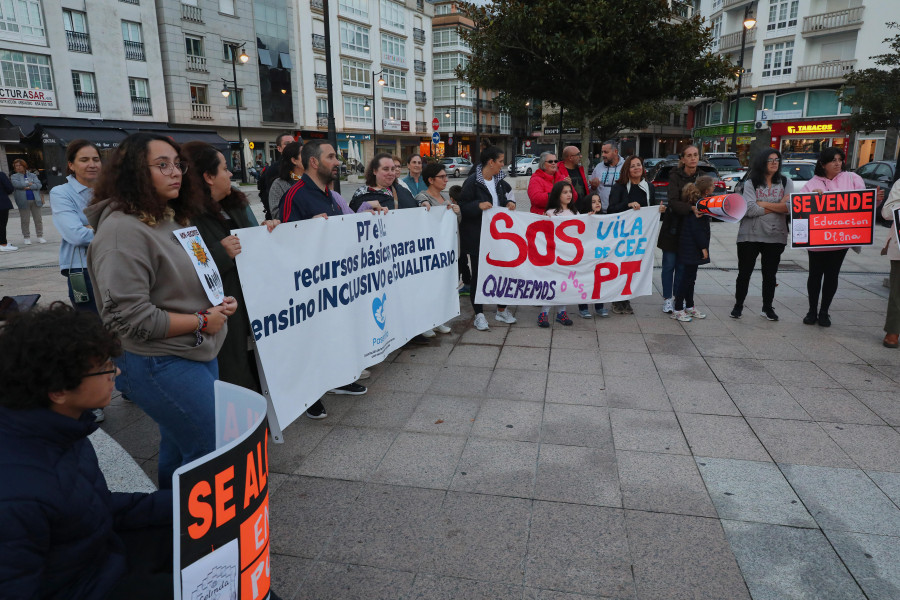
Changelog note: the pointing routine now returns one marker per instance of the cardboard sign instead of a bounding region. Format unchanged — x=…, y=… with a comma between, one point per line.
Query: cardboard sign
x=221, y=512
x=730, y=208
x=832, y=219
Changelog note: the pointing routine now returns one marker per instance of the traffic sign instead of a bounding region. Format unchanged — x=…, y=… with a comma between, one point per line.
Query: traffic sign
x=436, y=137
x=435, y=124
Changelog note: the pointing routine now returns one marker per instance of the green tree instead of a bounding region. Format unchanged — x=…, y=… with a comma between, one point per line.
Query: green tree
x=874, y=93
x=610, y=64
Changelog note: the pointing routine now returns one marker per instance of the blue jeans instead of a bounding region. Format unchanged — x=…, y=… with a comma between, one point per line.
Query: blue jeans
x=178, y=394
x=671, y=273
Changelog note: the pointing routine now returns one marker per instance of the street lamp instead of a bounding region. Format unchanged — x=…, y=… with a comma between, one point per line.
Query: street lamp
x=749, y=23
x=237, y=100
x=381, y=82
x=458, y=92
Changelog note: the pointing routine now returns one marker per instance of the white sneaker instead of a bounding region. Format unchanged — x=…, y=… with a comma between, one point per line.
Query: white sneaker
x=442, y=329
x=8, y=248
x=668, y=306
x=680, y=315
x=41, y=240
x=27, y=241
x=428, y=333
x=481, y=323
x=505, y=316
x=694, y=313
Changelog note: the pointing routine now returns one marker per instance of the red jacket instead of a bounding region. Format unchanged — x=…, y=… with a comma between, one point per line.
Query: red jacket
x=539, y=190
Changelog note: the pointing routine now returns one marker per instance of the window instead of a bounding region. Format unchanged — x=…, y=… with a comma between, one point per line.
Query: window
x=505, y=122
x=235, y=98
x=85, y=92
x=778, y=59
x=447, y=63
x=77, y=38
x=448, y=37
x=354, y=111
x=20, y=20
x=75, y=20
x=356, y=73
x=464, y=117
x=140, y=96
x=322, y=105
x=354, y=37
x=394, y=81
x=443, y=9
x=393, y=50
x=193, y=46
x=199, y=94
x=131, y=32
x=359, y=8
x=444, y=90
x=395, y=110
x=822, y=103
x=714, y=114
x=25, y=70
x=393, y=14
x=769, y=101
x=782, y=16
x=716, y=31
x=791, y=101
x=226, y=7
x=746, y=110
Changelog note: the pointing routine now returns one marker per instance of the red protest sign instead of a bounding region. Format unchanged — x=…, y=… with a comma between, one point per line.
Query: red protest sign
x=832, y=219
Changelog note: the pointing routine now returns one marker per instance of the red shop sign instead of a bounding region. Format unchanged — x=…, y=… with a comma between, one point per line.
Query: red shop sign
x=801, y=128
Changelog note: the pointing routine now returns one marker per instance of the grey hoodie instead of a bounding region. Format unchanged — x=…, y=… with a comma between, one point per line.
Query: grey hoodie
x=140, y=274
x=757, y=225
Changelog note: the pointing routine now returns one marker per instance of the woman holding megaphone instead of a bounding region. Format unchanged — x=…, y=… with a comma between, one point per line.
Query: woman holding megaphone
x=763, y=231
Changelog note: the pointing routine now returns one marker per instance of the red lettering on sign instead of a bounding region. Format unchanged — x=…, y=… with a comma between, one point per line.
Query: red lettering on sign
x=224, y=495
x=535, y=257
x=512, y=237
x=565, y=237
x=200, y=510
x=528, y=249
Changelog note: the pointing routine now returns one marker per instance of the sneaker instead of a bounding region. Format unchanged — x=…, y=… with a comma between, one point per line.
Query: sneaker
x=603, y=313
x=736, y=311
x=429, y=333
x=810, y=318
x=694, y=313
x=99, y=416
x=628, y=309
x=351, y=389
x=8, y=248
x=563, y=317
x=41, y=240
x=442, y=329
x=481, y=323
x=680, y=315
x=668, y=306
x=769, y=314
x=505, y=316
x=824, y=320
x=542, y=320
x=465, y=290
x=364, y=375
x=618, y=308
x=27, y=241
x=316, y=411
x=585, y=313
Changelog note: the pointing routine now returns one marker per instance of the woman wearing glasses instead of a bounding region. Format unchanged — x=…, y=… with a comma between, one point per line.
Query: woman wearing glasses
x=542, y=181
x=149, y=292
x=763, y=230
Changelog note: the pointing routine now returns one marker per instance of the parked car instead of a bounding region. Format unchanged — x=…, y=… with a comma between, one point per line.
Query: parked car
x=798, y=171
x=526, y=165
x=457, y=167
x=801, y=155
x=649, y=163
x=878, y=174
x=729, y=167
x=659, y=177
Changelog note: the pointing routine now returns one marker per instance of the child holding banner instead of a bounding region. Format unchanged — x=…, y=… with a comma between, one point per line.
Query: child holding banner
x=559, y=204
x=583, y=310
x=693, y=249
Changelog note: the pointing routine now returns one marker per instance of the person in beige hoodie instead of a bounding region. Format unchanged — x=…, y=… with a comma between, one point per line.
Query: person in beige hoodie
x=148, y=291
x=892, y=319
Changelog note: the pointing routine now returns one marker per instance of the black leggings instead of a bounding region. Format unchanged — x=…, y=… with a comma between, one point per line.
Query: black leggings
x=771, y=257
x=4, y=219
x=685, y=292
x=824, y=270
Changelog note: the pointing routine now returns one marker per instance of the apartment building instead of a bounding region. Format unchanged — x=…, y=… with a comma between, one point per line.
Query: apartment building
x=87, y=69
x=380, y=55
x=796, y=57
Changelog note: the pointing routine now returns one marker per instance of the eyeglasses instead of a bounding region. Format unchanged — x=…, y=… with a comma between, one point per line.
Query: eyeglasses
x=444, y=176
x=114, y=371
x=551, y=162
x=773, y=161
x=166, y=168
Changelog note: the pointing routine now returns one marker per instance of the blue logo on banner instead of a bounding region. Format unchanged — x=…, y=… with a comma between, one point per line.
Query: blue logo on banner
x=378, y=310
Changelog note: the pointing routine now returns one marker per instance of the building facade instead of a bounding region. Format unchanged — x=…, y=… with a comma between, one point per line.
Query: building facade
x=795, y=60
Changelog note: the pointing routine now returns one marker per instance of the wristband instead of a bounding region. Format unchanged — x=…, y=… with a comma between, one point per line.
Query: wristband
x=202, y=322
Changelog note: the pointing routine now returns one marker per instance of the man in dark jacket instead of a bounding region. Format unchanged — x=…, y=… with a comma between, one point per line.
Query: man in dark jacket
x=270, y=173
x=63, y=534
x=483, y=189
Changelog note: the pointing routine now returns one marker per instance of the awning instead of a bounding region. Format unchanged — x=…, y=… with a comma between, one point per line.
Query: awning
x=182, y=136
x=102, y=137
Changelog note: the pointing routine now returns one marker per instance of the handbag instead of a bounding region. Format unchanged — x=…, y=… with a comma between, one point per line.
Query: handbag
x=80, y=292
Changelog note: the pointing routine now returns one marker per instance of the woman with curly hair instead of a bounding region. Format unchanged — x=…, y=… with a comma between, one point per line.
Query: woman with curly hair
x=221, y=209
x=148, y=291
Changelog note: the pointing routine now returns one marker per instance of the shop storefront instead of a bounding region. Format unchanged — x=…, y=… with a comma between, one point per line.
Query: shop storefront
x=718, y=139
x=808, y=137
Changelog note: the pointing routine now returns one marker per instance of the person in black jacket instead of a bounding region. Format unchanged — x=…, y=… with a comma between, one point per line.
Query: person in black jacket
x=63, y=534
x=6, y=188
x=484, y=189
x=693, y=248
x=270, y=173
x=686, y=172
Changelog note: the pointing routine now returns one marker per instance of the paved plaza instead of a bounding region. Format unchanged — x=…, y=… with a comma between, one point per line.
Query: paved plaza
x=627, y=457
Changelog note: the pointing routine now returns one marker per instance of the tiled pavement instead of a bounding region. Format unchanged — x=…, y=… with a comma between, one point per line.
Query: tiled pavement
x=628, y=457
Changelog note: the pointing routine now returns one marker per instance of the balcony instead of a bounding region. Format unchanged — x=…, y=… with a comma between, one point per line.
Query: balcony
x=733, y=4
x=134, y=50
x=318, y=42
x=140, y=106
x=835, y=69
x=683, y=10
x=85, y=102
x=191, y=13
x=488, y=128
x=317, y=5
x=196, y=63
x=201, y=112
x=322, y=120
x=130, y=1
x=733, y=40
x=421, y=127
x=78, y=42
x=420, y=5
x=833, y=22
x=421, y=97
x=419, y=67
x=321, y=82
x=486, y=104
x=746, y=81
x=418, y=35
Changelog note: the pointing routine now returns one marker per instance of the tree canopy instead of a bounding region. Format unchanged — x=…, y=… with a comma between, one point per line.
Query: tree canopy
x=875, y=92
x=610, y=64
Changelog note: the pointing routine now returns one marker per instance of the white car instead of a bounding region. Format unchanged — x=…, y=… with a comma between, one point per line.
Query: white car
x=729, y=167
x=798, y=171
x=527, y=165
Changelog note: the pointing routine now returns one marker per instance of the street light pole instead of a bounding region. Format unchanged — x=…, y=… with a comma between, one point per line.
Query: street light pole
x=238, y=100
x=332, y=126
x=366, y=107
x=749, y=23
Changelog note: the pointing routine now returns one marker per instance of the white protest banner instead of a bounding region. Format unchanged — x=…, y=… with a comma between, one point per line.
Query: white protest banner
x=533, y=260
x=221, y=506
x=329, y=297
x=206, y=268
